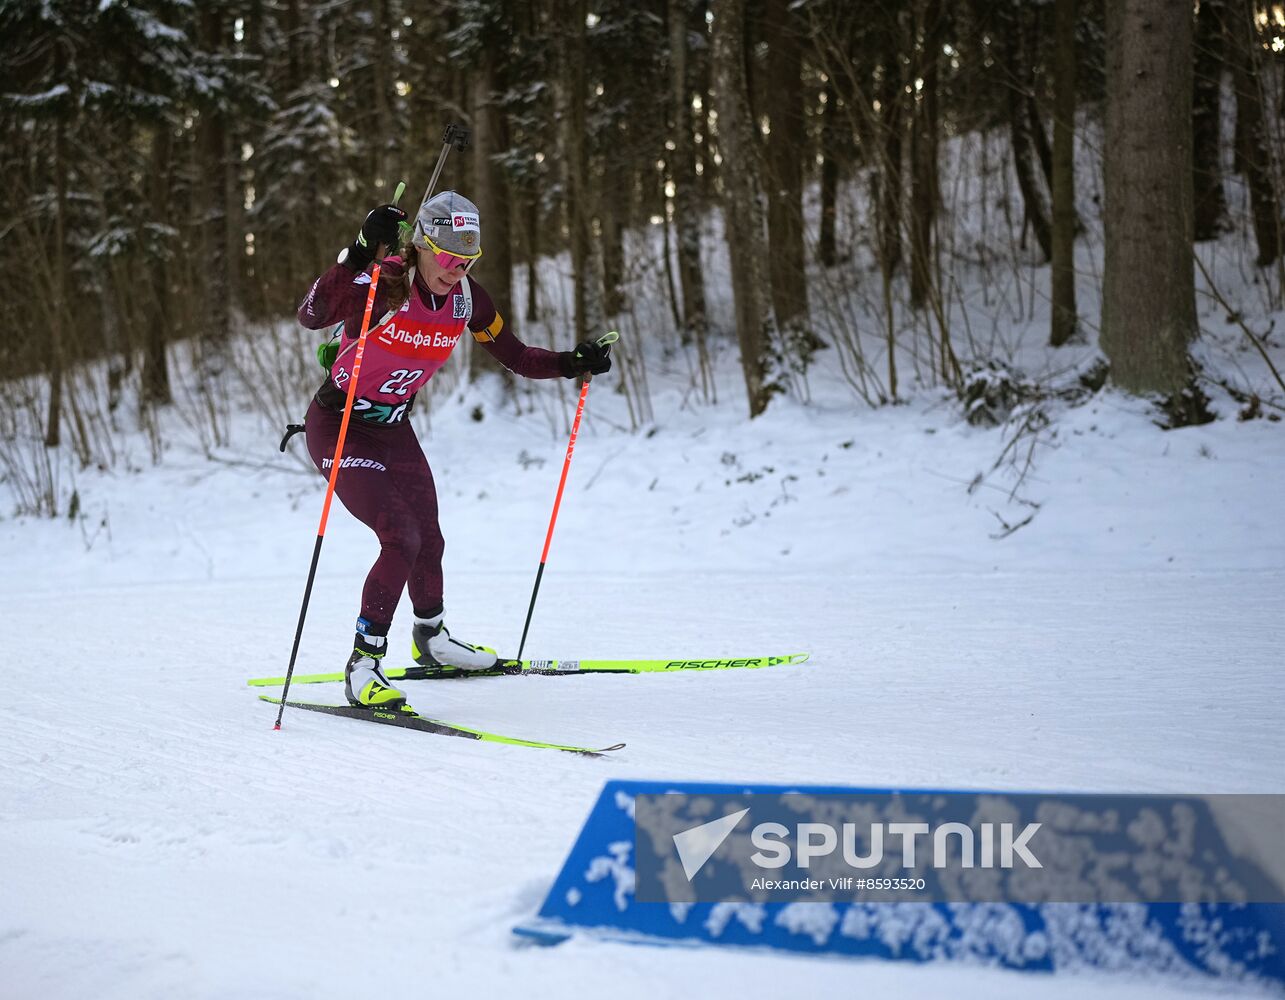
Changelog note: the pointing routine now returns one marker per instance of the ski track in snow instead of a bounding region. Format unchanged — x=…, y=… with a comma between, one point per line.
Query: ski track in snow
x=163, y=840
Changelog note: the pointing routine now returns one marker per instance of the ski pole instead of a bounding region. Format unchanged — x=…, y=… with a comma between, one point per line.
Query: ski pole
x=607, y=338
x=334, y=471
x=455, y=135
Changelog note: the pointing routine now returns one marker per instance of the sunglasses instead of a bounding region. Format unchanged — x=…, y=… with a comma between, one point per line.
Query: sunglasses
x=450, y=261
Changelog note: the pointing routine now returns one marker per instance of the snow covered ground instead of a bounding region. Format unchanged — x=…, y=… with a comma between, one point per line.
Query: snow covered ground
x=158, y=839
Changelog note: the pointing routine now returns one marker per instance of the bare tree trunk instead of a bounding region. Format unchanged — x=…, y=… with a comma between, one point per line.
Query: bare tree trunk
x=255, y=296
x=235, y=129
x=614, y=197
x=1064, y=218
x=156, y=372
x=117, y=352
x=612, y=214
x=829, y=174
x=299, y=238
x=533, y=254
x=687, y=214
x=1149, y=301
x=1019, y=121
x=743, y=213
x=53, y=422
x=234, y=221
x=1039, y=138
x=785, y=151
x=386, y=135
x=212, y=150
x=575, y=158
x=701, y=73
x=1206, y=121
x=295, y=55
x=667, y=254
x=923, y=156
x=304, y=53
x=490, y=137
x=1254, y=154
x=887, y=179
x=891, y=100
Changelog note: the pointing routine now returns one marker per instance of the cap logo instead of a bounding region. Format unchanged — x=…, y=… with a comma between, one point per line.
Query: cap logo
x=465, y=221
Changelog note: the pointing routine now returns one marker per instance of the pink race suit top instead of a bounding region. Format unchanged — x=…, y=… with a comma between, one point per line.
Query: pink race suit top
x=405, y=348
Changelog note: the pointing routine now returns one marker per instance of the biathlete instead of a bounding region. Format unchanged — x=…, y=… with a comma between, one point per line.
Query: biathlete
x=427, y=301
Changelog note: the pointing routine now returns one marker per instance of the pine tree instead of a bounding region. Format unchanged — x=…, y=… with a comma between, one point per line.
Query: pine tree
x=88, y=86
x=743, y=207
x=1149, y=301
x=682, y=175
x=302, y=161
x=1064, y=319
x=786, y=150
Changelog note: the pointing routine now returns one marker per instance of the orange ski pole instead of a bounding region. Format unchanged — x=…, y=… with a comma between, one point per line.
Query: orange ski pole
x=334, y=474
x=603, y=341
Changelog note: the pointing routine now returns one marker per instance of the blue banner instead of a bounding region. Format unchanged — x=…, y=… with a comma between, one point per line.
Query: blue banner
x=596, y=892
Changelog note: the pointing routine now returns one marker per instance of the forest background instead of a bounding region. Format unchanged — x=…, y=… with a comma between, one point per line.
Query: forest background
x=177, y=174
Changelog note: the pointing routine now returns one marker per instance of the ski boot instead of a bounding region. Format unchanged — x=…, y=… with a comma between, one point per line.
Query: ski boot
x=431, y=645
x=364, y=682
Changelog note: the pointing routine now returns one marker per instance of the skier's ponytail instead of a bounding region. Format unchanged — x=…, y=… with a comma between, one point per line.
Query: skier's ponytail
x=395, y=278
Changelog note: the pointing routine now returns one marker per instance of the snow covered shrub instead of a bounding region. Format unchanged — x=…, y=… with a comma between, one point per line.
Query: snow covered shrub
x=991, y=390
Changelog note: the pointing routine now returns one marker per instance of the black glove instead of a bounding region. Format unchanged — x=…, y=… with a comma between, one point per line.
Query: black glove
x=381, y=226
x=588, y=358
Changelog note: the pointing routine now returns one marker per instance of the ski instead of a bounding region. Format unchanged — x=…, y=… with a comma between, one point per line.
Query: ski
x=551, y=668
x=407, y=719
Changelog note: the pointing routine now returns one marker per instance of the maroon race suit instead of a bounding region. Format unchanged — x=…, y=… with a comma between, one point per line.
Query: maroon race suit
x=384, y=478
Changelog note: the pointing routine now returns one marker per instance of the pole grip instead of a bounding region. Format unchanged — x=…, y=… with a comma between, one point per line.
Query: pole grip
x=455, y=136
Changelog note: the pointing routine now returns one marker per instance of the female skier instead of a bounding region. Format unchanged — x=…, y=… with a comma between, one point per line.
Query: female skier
x=427, y=303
